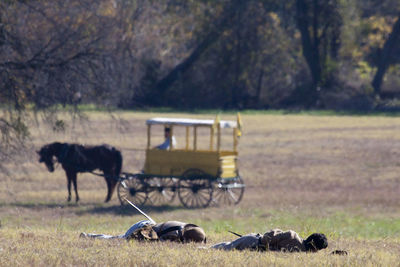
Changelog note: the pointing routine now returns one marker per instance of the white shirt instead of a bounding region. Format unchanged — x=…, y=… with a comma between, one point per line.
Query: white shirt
x=165, y=145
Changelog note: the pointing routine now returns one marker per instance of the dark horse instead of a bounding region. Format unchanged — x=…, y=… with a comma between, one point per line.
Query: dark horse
x=76, y=158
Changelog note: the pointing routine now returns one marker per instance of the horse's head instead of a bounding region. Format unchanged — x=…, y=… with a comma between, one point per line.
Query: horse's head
x=46, y=155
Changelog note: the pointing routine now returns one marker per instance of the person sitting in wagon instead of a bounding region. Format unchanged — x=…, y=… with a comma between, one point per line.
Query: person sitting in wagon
x=166, y=144
x=276, y=240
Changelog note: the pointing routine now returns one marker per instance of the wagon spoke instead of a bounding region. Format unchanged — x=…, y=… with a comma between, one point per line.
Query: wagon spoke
x=161, y=190
x=202, y=196
x=201, y=200
x=232, y=195
x=133, y=189
x=123, y=184
x=228, y=192
x=194, y=189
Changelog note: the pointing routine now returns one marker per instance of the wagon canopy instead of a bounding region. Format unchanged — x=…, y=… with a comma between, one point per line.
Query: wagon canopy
x=190, y=122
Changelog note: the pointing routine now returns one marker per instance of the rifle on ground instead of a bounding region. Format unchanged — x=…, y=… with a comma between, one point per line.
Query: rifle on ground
x=144, y=214
x=235, y=233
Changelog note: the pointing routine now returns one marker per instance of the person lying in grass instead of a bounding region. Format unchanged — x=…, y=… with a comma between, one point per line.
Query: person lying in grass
x=276, y=240
x=167, y=231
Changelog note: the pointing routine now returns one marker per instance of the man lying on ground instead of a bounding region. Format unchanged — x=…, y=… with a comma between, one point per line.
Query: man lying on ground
x=166, y=231
x=276, y=240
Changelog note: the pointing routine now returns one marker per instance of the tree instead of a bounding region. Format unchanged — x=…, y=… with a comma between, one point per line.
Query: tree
x=319, y=24
x=218, y=26
x=50, y=60
x=239, y=57
x=388, y=55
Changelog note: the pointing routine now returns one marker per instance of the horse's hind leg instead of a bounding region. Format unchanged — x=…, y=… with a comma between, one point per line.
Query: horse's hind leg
x=76, y=188
x=111, y=182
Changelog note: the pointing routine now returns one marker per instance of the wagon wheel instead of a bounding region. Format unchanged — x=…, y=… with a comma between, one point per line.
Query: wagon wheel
x=161, y=190
x=133, y=189
x=194, y=189
x=229, y=192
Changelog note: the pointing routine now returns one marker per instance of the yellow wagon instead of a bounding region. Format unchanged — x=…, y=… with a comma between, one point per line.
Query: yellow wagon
x=198, y=174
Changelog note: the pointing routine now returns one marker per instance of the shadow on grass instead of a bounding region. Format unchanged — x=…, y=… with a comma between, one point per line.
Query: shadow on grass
x=92, y=208
x=128, y=210
x=31, y=205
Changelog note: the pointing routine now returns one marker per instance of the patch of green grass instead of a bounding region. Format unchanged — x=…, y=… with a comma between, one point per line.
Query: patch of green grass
x=342, y=224
x=339, y=224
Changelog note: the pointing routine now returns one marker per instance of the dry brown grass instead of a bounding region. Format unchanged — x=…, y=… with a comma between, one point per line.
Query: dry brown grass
x=337, y=175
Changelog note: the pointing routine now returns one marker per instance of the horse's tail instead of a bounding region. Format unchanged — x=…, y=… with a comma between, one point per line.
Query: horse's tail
x=119, y=160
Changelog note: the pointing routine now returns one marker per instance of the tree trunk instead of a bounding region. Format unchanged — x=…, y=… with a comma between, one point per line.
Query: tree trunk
x=258, y=88
x=212, y=37
x=386, y=56
x=310, y=47
x=178, y=70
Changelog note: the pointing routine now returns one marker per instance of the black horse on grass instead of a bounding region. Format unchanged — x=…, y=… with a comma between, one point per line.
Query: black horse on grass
x=75, y=158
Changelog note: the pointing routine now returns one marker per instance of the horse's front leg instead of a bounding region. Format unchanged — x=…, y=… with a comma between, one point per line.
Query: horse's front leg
x=69, y=186
x=72, y=176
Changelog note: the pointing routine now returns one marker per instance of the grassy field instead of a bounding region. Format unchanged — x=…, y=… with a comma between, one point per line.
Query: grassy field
x=333, y=174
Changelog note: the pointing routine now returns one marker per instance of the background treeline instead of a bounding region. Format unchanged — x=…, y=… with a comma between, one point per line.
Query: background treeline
x=191, y=54
x=199, y=54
